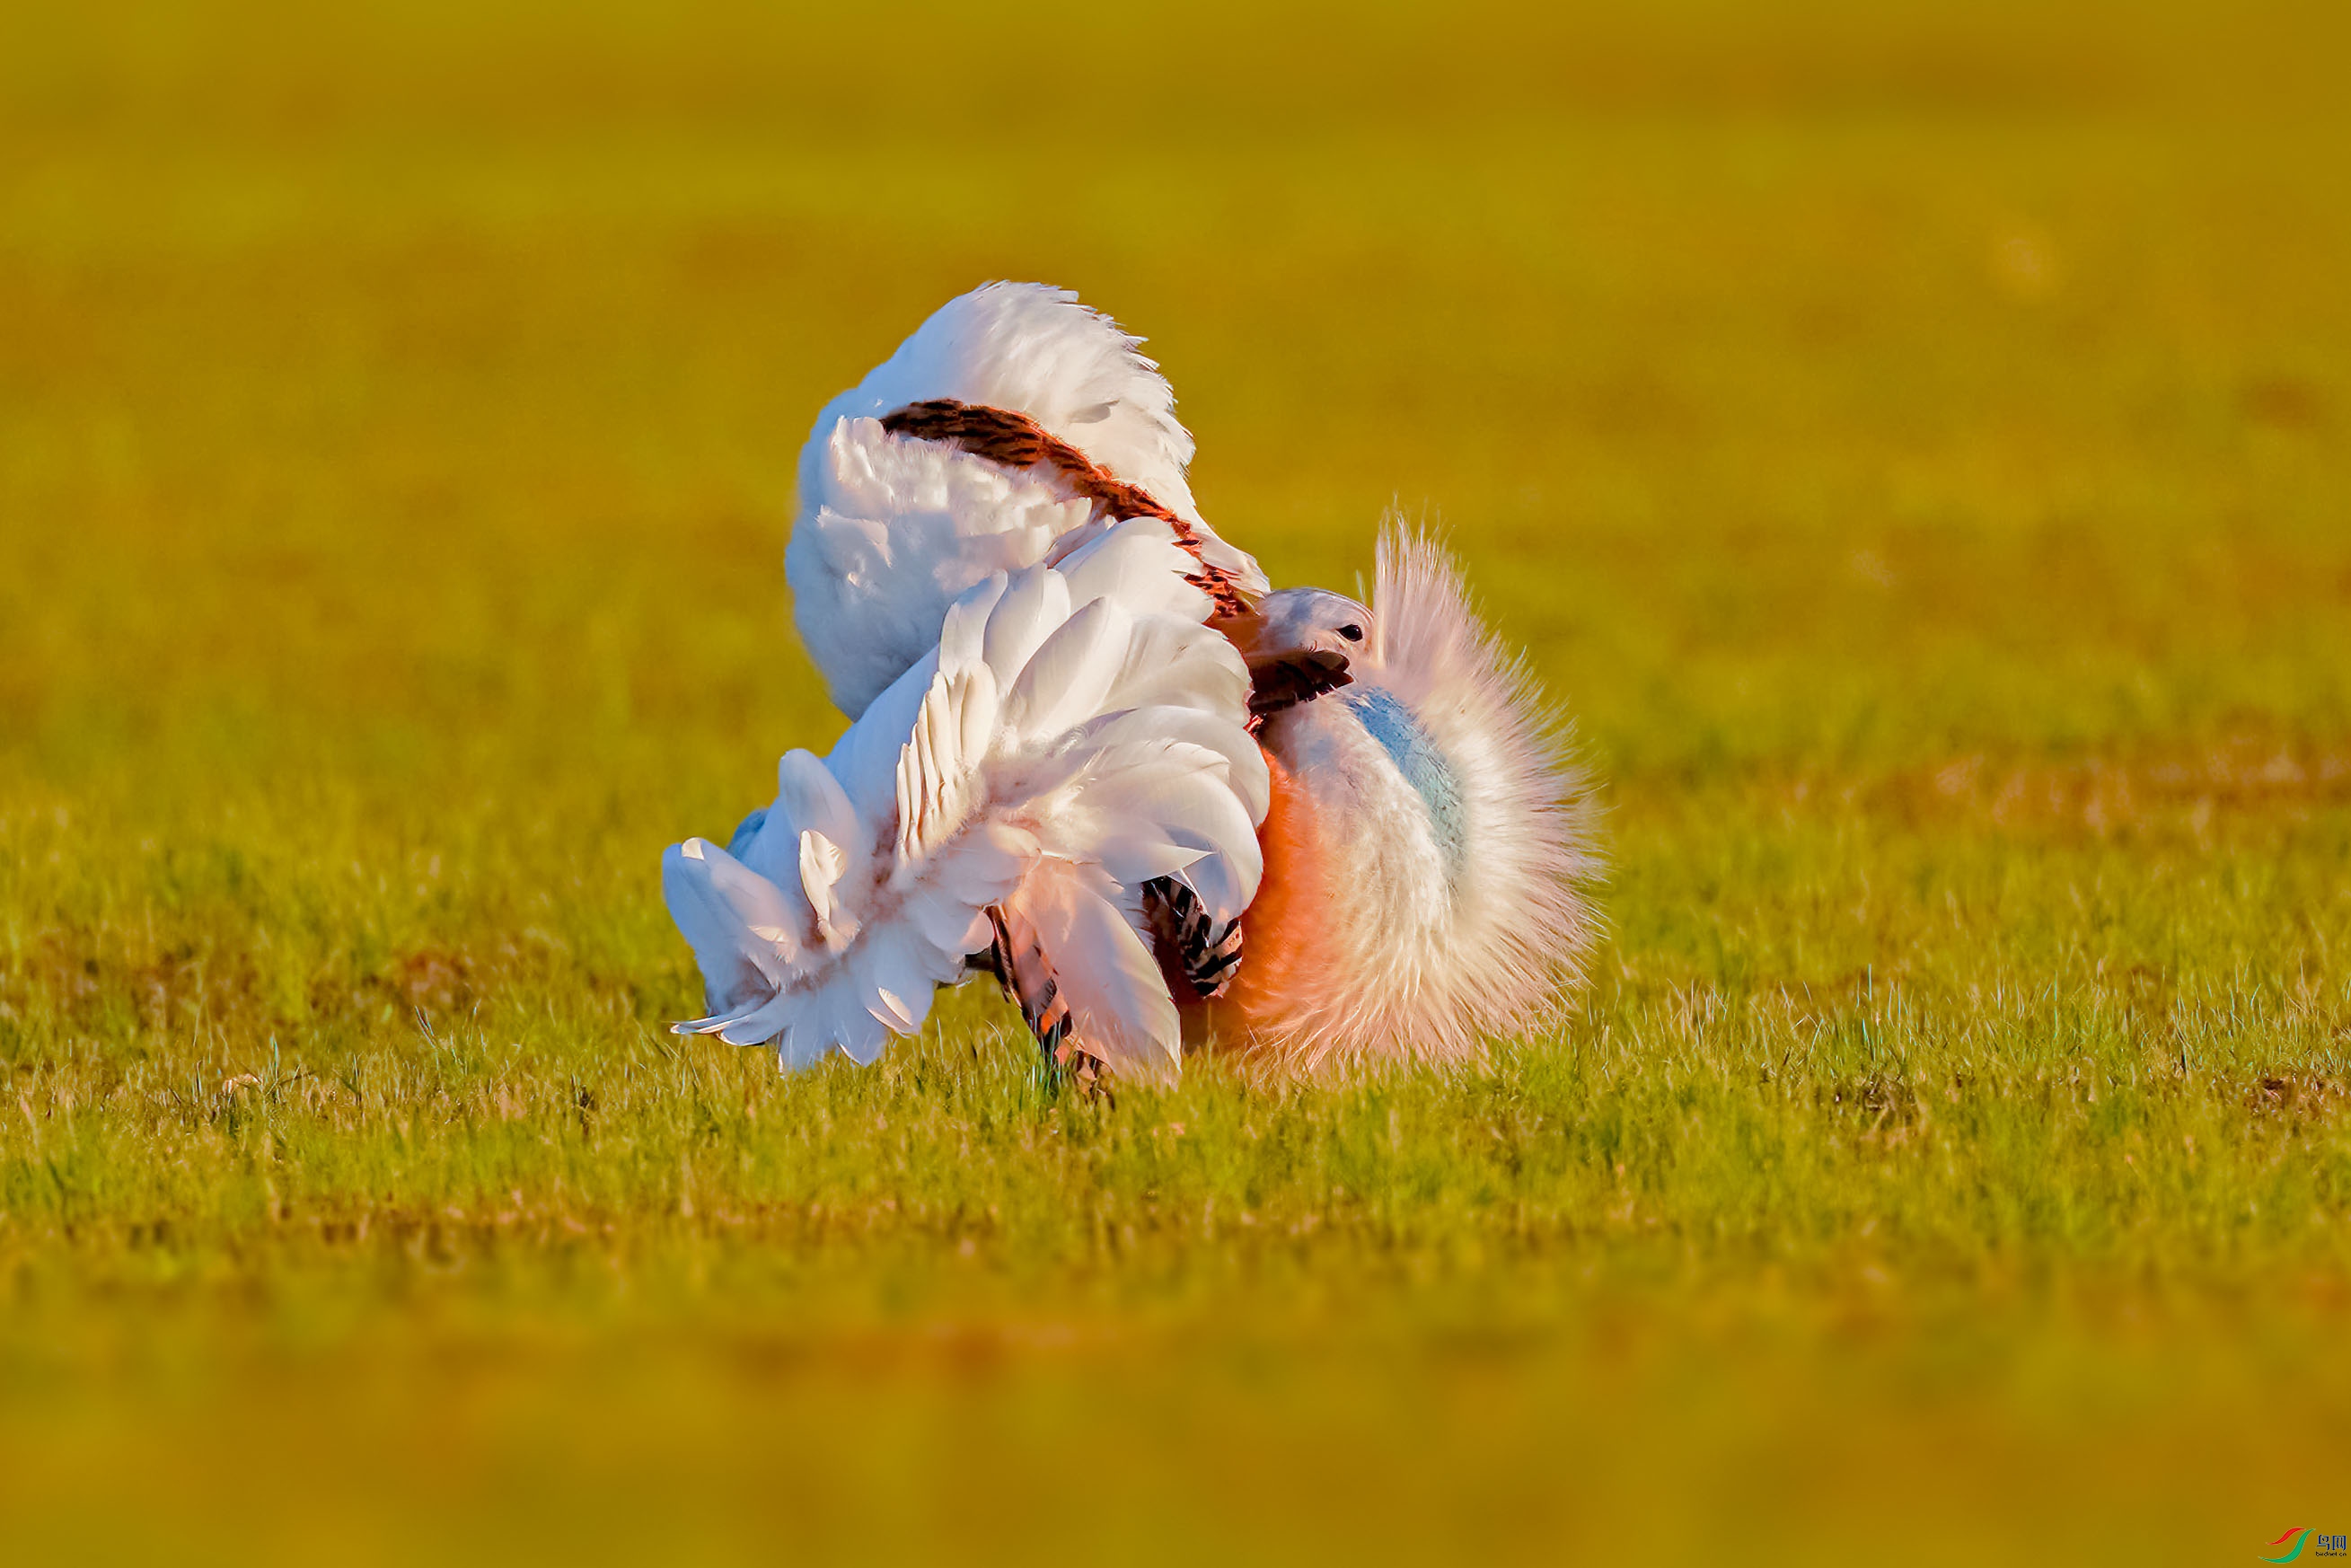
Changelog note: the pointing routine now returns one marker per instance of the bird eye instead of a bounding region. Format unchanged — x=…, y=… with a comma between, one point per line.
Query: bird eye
x=1352, y=633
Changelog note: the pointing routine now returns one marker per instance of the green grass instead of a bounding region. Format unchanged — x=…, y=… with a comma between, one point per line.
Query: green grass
x=1912, y=443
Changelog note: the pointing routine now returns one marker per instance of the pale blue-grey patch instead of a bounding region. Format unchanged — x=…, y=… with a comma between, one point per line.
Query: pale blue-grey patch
x=1423, y=766
x=744, y=833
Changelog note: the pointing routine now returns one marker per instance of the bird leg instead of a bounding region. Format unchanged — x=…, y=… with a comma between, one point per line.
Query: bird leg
x=1018, y=961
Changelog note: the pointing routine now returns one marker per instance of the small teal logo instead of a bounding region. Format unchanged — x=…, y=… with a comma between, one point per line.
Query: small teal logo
x=2289, y=1547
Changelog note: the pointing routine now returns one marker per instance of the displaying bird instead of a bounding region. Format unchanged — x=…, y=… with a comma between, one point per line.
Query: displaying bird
x=1093, y=754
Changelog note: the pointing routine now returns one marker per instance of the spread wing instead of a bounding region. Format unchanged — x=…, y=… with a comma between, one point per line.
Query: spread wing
x=1013, y=419
x=1074, y=732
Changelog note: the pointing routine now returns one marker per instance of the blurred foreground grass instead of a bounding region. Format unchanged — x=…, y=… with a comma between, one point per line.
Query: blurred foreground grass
x=1911, y=441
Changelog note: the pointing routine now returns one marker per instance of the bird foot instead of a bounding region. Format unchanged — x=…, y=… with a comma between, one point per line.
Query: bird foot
x=1090, y=1074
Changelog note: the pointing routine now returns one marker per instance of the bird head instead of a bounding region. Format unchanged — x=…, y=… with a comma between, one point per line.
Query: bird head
x=1297, y=643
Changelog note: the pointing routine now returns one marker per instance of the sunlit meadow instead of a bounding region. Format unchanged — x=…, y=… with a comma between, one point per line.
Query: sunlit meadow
x=1912, y=443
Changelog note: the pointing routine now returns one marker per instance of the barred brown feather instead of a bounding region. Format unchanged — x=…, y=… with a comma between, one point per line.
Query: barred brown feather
x=1183, y=933
x=1015, y=441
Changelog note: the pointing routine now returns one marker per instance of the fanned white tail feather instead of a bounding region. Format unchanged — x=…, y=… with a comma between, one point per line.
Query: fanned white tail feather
x=1075, y=732
x=892, y=530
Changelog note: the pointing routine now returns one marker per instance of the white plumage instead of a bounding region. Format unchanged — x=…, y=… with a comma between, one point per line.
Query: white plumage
x=1071, y=735
x=892, y=530
x=1093, y=753
x=1435, y=842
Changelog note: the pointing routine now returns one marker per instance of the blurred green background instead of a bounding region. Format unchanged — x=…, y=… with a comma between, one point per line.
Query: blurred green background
x=1910, y=440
